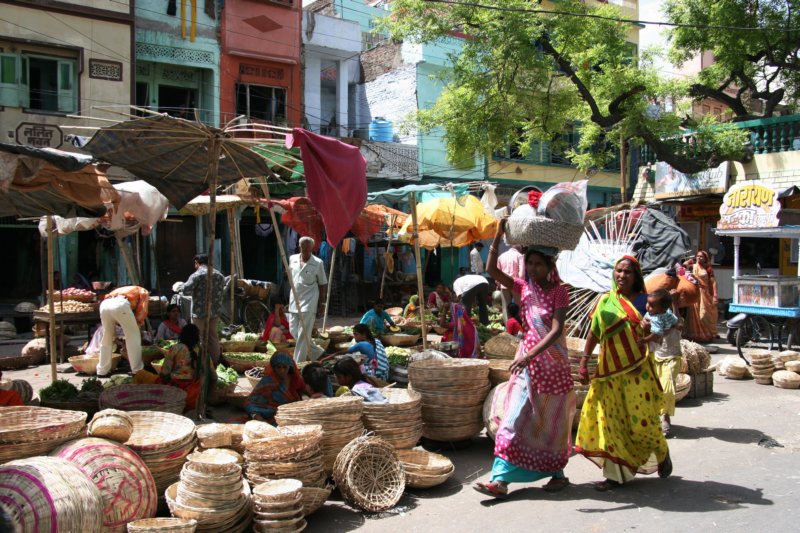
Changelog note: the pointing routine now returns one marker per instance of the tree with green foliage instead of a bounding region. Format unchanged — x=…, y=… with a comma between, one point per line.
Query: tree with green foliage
x=748, y=64
x=525, y=74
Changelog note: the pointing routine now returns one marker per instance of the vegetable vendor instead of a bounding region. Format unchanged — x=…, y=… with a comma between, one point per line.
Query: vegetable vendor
x=170, y=329
x=376, y=318
x=281, y=384
x=181, y=367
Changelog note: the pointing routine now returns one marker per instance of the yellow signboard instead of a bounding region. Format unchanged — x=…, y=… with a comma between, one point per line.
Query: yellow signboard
x=749, y=205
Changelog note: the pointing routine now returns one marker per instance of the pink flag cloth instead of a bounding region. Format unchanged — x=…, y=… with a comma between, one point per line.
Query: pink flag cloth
x=336, y=180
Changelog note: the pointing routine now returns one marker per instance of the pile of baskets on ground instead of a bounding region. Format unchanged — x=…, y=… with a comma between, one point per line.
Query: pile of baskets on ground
x=340, y=419
x=369, y=475
x=288, y=452
x=453, y=392
x=30, y=431
x=398, y=422
x=279, y=506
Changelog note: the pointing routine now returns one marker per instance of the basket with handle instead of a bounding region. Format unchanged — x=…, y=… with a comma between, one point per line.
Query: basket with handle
x=535, y=230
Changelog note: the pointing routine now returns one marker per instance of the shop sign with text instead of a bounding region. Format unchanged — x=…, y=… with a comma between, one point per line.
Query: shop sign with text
x=749, y=205
x=671, y=184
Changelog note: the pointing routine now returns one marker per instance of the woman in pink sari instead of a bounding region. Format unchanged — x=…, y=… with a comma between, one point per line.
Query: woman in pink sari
x=461, y=329
x=534, y=439
x=702, y=323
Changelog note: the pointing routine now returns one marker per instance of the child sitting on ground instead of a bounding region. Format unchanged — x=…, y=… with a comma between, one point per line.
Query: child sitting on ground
x=318, y=383
x=665, y=343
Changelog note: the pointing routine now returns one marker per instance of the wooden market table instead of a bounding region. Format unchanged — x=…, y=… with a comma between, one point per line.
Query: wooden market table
x=89, y=318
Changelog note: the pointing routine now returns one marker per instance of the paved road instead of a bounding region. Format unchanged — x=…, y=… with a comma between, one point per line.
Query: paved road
x=723, y=478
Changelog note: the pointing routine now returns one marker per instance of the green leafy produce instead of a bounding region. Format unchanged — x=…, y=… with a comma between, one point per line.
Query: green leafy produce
x=348, y=330
x=271, y=348
x=397, y=355
x=167, y=344
x=60, y=391
x=159, y=362
x=92, y=385
x=226, y=376
x=150, y=351
x=244, y=337
x=248, y=356
x=118, y=379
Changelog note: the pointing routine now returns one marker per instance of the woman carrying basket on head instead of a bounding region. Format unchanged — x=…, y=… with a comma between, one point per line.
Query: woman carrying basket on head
x=533, y=440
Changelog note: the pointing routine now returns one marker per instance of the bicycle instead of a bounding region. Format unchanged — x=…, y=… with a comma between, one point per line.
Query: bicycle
x=746, y=329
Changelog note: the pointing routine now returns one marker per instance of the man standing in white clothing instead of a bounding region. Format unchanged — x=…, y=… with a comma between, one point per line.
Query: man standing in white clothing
x=308, y=276
x=475, y=259
x=126, y=306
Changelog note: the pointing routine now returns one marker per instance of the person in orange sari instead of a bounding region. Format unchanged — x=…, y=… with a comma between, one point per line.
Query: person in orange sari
x=702, y=320
x=10, y=398
x=276, y=327
x=181, y=366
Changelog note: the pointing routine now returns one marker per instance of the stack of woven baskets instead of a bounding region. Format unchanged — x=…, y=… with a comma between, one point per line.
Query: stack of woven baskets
x=212, y=491
x=762, y=367
x=227, y=436
x=453, y=391
x=288, y=452
x=29, y=431
x=502, y=346
x=399, y=422
x=682, y=386
x=279, y=506
x=131, y=397
x=784, y=357
x=162, y=525
x=127, y=487
x=49, y=494
x=369, y=475
x=162, y=440
x=340, y=419
x=733, y=367
x=425, y=469
x=784, y=379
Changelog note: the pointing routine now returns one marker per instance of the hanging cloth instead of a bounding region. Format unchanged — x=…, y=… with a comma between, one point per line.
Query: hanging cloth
x=193, y=29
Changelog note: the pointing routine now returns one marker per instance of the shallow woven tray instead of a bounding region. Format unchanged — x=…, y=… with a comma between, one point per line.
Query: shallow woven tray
x=314, y=498
x=37, y=424
x=501, y=346
x=20, y=362
x=87, y=364
x=682, y=386
x=207, y=517
x=416, y=480
x=162, y=525
x=281, y=490
x=399, y=340
x=133, y=397
x=155, y=432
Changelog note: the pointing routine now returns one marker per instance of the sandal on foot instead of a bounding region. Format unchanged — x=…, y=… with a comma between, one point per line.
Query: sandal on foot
x=666, y=427
x=490, y=489
x=556, y=484
x=665, y=467
x=606, y=485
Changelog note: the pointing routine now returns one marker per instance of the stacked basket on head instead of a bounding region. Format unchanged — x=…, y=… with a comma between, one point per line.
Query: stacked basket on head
x=279, y=506
x=287, y=452
x=163, y=441
x=30, y=431
x=131, y=397
x=212, y=491
x=49, y=494
x=340, y=419
x=369, y=475
x=398, y=422
x=124, y=481
x=453, y=391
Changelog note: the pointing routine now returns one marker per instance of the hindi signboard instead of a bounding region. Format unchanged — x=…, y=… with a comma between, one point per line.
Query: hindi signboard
x=673, y=184
x=749, y=205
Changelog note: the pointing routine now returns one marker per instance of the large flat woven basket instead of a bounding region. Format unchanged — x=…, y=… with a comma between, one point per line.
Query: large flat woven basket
x=543, y=231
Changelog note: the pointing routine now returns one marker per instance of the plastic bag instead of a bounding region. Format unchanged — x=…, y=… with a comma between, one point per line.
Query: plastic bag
x=566, y=202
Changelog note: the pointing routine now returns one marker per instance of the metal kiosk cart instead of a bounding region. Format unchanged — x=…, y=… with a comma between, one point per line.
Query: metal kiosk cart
x=772, y=303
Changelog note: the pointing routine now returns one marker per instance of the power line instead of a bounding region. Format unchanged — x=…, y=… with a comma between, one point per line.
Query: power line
x=614, y=19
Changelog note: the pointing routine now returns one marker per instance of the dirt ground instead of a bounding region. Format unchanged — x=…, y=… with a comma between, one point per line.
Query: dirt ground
x=736, y=468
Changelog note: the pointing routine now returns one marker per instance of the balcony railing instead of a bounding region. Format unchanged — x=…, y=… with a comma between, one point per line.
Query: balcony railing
x=767, y=136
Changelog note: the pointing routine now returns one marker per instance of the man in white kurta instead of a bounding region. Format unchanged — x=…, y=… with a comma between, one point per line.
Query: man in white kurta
x=308, y=276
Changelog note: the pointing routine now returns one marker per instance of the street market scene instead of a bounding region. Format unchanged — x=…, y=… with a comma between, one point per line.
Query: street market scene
x=421, y=265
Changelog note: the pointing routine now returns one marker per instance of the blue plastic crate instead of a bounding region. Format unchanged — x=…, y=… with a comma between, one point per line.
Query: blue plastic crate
x=788, y=312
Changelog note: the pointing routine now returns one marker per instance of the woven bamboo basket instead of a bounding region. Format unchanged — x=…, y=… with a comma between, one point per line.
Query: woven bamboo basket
x=502, y=346
x=733, y=367
x=399, y=422
x=696, y=356
x=123, y=479
x=792, y=366
x=162, y=525
x=214, y=462
x=783, y=379
x=208, y=518
x=285, y=491
x=499, y=371
x=279, y=513
x=238, y=346
x=111, y=424
x=789, y=355
x=50, y=494
x=425, y=469
x=254, y=375
x=493, y=409
x=87, y=364
x=20, y=362
x=38, y=424
x=133, y=397
x=399, y=340
x=542, y=231
x=12, y=452
x=242, y=365
x=214, y=436
x=314, y=498
x=369, y=475
x=682, y=386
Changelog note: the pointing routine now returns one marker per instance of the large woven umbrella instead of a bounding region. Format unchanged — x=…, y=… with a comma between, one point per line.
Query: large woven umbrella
x=451, y=222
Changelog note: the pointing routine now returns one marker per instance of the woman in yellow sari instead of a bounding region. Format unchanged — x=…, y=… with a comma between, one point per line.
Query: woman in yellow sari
x=702, y=321
x=619, y=427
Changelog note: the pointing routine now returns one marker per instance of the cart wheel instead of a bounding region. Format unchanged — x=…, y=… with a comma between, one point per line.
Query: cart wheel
x=255, y=314
x=753, y=330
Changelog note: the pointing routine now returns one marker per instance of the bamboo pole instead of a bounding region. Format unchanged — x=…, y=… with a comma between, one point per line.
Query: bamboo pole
x=392, y=219
x=214, y=147
x=330, y=288
x=123, y=248
x=420, y=292
x=233, y=261
x=51, y=304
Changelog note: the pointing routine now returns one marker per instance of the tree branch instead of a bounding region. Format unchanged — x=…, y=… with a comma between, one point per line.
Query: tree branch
x=673, y=155
x=616, y=103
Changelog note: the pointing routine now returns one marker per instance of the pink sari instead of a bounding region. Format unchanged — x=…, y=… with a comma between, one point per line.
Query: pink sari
x=536, y=431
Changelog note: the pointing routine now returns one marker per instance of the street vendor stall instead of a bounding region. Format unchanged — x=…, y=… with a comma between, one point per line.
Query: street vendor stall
x=771, y=303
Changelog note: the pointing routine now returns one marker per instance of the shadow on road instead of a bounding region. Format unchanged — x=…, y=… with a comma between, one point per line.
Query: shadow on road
x=717, y=397
x=734, y=435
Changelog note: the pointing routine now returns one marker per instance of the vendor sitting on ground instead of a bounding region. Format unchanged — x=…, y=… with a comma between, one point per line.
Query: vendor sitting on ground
x=182, y=363
x=280, y=385
x=318, y=382
x=412, y=309
x=9, y=398
x=170, y=329
x=376, y=318
x=439, y=297
x=351, y=379
x=276, y=327
x=461, y=329
x=377, y=362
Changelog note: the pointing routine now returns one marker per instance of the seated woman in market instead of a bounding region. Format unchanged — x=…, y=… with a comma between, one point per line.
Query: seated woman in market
x=412, y=309
x=351, y=379
x=461, y=329
x=181, y=367
x=377, y=362
x=280, y=385
x=318, y=382
x=276, y=327
x=170, y=329
x=376, y=318
x=9, y=397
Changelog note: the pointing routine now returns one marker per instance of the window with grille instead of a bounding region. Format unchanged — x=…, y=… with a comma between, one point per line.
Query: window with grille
x=261, y=102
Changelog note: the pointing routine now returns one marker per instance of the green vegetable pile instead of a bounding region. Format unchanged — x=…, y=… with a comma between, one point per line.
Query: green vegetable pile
x=167, y=344
x=226, y=376
x=118, y=379
x=60, y=391
x=397, y=355
x=244, y=337
x=249, y=356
